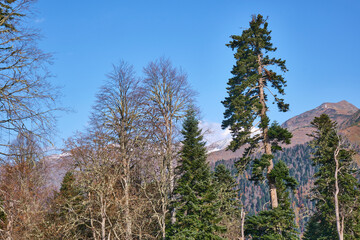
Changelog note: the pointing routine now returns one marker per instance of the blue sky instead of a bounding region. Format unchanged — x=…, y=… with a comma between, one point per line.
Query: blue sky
x=318, y=39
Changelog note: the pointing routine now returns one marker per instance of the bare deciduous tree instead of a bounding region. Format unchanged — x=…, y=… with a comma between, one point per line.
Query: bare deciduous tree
x=120, y=111
x=97, y=177
x=26, y=96
x=27, y=101
x=168, y=95
x=104, y=205
x=23, y=191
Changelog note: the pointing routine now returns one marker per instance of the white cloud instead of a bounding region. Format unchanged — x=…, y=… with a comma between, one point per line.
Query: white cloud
x=213, y=132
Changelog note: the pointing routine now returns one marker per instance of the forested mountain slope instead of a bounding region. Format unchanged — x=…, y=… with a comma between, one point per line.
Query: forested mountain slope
x=297, y=157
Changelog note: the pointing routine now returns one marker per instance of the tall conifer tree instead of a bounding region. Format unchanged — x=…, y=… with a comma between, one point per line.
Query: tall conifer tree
x=336, y=190
x=249, y=89
x=196, y=198
x=254, y=81
x=278, y=223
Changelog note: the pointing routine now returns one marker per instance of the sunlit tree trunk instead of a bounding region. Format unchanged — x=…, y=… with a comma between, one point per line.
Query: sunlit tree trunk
x=242, y=227
x=266, y=141
x=339, y=222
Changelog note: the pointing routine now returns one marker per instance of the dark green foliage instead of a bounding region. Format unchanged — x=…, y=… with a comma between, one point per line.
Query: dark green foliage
x=325, y=143
x=317, y=228
x=278, y=223
x=281, y=176
x=67, y=189
x=277, y=135
x=242, y=106
x=228, y=202
x=68, y=203
x=255, y=196
x=259, y=166
x=274, y=224
x=226, y=186
x=247, y=89
x=196, y=198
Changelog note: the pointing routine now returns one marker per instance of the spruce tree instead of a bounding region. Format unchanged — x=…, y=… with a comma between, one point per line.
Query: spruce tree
x=67, y=204
x=336, y=190
x=226, y=187
x=253, y=81
x=196, y=198
x=229, y=208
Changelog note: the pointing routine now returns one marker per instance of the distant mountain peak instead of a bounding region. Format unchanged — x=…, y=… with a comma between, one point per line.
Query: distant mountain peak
x=342, y=107
x=338, y=111
x=300, y=125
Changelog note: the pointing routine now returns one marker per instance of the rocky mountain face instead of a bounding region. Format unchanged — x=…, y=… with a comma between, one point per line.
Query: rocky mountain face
x=351, y=128
x=300, y=125
x=344, y=113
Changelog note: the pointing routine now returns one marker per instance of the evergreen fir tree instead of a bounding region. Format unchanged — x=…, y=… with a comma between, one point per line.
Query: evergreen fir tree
x=278, y=223
x=229, y=205
x=317, y=228
x=246, y=104
x=226, y=186
x=68, y=203
x=328, y=144
x=196, y=198
x=68, y=189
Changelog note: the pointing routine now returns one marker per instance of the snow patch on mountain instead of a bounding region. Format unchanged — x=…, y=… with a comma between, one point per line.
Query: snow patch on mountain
x=216, y=138
x=219, y=145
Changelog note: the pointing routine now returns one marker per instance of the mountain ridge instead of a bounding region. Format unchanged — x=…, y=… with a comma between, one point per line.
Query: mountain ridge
x=344, y=113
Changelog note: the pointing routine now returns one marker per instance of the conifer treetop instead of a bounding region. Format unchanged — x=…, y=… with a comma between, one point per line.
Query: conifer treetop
x=253, y=62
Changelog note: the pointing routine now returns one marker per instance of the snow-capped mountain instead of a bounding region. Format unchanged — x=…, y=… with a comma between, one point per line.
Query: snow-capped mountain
x=218, y=145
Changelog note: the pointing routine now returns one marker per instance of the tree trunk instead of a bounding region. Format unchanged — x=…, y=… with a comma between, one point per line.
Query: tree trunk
x=163, y=225
x=243, y=214
x=266, y=142
x=126, y=179
x=93, y=231
x=128, y=234
x=9, y=227
x=171, y=170
x=339, y=225
x=103, y=217
x=164, y=201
